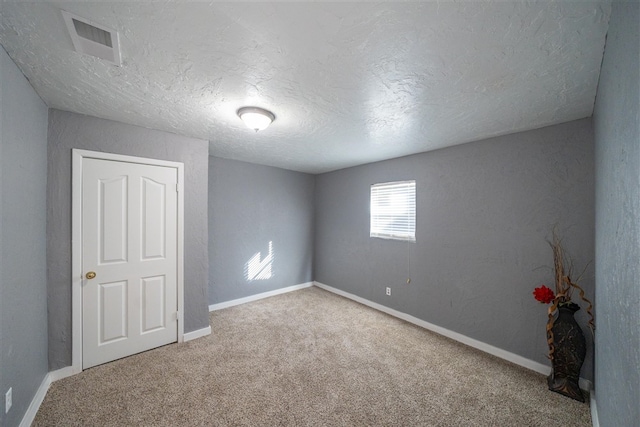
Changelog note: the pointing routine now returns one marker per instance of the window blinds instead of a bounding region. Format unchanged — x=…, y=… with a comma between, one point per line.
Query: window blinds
x=393, y=210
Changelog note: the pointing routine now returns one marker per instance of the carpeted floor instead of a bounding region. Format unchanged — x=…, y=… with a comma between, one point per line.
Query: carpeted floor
x=309, y=358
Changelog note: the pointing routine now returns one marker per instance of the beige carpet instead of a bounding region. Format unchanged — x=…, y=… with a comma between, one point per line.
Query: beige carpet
x=309, y=358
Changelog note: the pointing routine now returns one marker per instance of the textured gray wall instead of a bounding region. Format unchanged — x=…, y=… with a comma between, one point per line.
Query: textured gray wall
x=249, y=206
x=23, y=290
x=484, y=212
x=69, y=130
x=617, y=134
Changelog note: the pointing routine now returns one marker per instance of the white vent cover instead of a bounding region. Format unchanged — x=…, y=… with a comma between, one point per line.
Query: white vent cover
x=93, y=39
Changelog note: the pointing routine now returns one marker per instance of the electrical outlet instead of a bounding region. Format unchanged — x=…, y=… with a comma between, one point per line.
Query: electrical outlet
x=8, y=400
x=388, y=290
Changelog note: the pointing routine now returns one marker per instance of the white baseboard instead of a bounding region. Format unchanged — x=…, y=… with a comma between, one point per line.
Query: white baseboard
x=62, y=373
x=188, y=336
x=595, y=422
x=256, y=297
x=487, y=348
x=38, y=398
x=584, y=384
x=32, y=410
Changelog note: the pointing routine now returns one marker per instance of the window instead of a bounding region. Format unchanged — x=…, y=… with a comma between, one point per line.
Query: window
x=393, y=210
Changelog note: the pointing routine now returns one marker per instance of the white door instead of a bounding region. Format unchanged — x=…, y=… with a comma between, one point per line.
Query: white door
x=129, y=259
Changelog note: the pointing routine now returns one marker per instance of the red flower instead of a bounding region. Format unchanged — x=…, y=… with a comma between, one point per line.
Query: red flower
x=543, y=294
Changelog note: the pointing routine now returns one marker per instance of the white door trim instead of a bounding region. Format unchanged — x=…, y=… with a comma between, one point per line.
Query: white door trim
x=76, y=243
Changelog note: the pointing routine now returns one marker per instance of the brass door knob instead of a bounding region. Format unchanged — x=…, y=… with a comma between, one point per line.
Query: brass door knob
x=90, y=275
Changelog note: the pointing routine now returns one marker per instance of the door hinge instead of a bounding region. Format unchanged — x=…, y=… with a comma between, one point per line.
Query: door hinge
x=176, y=315
x=177, y=188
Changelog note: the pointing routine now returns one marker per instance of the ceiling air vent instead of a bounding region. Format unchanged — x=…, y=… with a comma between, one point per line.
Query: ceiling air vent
x=93, y=39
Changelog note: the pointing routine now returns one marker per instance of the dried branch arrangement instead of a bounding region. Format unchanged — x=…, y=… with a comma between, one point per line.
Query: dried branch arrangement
x=565, y=285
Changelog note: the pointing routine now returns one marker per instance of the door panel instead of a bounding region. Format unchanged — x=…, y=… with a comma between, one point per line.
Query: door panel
x=153, y=239
x=129, y=229
x=112, y=306
x=112, y=205
x=153, y=291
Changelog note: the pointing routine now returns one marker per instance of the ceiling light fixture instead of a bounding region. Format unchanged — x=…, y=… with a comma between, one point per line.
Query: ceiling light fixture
x=256, y=118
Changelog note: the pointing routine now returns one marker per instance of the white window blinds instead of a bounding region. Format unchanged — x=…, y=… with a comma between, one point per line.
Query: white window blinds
x=393, y=210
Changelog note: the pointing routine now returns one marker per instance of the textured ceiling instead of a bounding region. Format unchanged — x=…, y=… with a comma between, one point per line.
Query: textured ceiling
x=349, y=82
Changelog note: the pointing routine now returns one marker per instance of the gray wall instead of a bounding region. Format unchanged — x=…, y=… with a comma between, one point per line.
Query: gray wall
x=69, y=130
x=617, y=134
x=23, y=291
x=249, y=206
x=484, y=212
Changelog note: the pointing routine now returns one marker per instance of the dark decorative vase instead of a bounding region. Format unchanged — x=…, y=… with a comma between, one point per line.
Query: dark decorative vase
x=569, y=350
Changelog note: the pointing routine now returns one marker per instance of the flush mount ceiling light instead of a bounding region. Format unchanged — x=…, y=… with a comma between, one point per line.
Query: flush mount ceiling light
x=256, y=118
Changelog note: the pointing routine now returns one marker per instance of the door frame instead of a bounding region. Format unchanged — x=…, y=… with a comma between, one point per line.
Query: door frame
x=78, y=156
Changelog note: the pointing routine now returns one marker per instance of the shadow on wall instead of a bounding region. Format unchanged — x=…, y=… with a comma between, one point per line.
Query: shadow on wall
x=258, y=268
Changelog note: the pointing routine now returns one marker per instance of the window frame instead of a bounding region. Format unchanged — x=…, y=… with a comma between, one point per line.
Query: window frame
x=399, y=226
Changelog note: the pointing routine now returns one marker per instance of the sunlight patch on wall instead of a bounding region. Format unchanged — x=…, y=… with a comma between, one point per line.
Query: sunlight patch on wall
x=258, y=268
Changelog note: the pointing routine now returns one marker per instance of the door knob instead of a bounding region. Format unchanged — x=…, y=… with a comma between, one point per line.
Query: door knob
x=90, y=275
